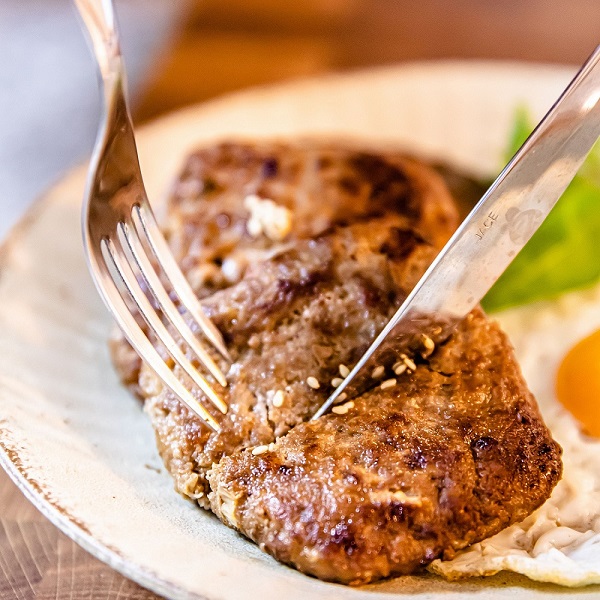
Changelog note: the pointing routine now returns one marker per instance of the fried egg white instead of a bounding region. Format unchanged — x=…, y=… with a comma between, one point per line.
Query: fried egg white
x=560, y=542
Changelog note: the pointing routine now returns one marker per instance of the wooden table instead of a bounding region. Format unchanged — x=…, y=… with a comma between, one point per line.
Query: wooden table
x=229, y=45
x=38, y=561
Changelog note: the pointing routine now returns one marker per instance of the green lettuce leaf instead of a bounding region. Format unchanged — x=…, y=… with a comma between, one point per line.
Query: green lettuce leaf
x=564, y=253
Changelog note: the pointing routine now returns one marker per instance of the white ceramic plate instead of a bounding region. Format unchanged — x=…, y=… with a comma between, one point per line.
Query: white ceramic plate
x=79, y=446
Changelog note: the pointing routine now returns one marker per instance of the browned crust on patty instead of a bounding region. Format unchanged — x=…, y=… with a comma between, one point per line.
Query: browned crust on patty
x=452, y=454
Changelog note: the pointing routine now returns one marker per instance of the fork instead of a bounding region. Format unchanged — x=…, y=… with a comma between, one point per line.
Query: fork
x=122, y=239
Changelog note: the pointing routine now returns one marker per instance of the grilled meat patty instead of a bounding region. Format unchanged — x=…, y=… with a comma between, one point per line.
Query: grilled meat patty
x=305, y=301
x=448, y=456
x=302, y=253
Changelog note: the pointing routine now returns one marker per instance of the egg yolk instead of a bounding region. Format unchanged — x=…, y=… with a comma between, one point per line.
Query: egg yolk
x=578, y=383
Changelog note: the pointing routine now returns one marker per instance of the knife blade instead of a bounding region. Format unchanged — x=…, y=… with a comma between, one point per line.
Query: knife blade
x=497, y=228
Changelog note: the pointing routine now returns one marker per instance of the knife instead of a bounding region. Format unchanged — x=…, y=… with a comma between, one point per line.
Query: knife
x=494, y=232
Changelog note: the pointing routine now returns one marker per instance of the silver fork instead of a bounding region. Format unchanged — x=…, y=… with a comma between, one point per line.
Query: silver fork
x=122, y=238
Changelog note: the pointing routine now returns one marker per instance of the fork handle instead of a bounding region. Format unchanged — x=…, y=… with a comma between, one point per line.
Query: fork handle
x=99, y=19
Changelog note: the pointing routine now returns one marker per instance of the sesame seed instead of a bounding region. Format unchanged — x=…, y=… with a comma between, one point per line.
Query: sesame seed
x=400, y=496
x=271, y=446
x=231, y=269
x=341, y=397
x=278, y=399
x=336, y=381
x=378, y=372
x=260, y=450
x=343, y=409
x=410, y=363
x=344, y=371
x=254, y=227
x=313, y=382
x=399, y=368
x=428, y=342
x=388, y=383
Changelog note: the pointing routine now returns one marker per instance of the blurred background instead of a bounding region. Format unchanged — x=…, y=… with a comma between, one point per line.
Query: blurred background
x=180, y=52
x=227, y=45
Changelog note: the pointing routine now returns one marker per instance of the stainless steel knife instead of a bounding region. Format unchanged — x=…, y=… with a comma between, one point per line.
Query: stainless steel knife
x=496, y=229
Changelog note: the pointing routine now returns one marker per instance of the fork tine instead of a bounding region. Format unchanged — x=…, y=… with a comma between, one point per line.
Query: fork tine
x=148, y=313
x=137, y=338
x=133, y=243
x=180, y=285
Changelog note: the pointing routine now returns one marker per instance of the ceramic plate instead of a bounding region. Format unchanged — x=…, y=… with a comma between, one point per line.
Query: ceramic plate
x=79, y=445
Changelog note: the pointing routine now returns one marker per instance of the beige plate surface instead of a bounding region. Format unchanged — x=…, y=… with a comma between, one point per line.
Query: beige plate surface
x=79, y=446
